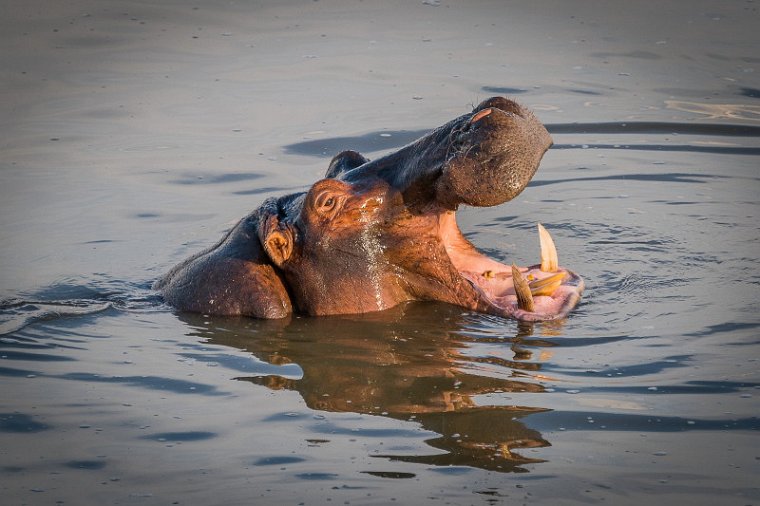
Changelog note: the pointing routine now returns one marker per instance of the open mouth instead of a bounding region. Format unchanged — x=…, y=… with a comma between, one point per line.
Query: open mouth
x=541, y=292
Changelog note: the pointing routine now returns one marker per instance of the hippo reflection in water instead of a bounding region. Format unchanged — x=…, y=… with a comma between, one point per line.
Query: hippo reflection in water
x=443, y=377
x=373, y=234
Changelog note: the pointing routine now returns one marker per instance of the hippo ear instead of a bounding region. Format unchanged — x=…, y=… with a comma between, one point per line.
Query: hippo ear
x=276, y=239
x=343, y=162
x=279, y=245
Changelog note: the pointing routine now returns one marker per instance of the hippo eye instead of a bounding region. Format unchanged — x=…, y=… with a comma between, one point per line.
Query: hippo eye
x=326, y=202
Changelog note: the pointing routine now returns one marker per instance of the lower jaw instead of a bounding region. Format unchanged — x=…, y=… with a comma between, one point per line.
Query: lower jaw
x=500, y=301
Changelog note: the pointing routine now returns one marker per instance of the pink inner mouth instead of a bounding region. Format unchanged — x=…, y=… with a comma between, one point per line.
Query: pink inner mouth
x=493, y=279
x=498, y=288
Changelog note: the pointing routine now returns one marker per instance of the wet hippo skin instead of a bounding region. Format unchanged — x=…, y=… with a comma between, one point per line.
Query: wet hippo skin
x=373, y=234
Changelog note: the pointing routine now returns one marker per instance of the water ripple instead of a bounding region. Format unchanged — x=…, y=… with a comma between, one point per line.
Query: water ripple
x=719, y=150
x=656, y=127
x=17, y=315
x=20, y=423
x=181, y=436
x=579, y=420
x=75, y=298
x=148, y=382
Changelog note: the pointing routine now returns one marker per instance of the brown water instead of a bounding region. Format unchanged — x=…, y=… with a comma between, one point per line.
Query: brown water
x=135, y=133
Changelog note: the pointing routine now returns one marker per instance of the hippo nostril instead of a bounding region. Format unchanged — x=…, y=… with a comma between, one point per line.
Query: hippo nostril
x=480, y=115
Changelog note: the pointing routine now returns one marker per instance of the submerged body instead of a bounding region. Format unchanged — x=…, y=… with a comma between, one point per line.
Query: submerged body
x=373, y=234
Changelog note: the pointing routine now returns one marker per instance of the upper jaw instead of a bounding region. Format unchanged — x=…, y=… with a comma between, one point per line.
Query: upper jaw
x=493, y=153
x=482, y=158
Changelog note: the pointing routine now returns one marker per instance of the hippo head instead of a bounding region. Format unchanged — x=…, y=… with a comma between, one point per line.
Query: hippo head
x=376, y=233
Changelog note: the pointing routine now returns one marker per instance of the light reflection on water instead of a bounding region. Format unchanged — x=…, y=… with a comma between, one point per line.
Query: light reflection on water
x=137, y=134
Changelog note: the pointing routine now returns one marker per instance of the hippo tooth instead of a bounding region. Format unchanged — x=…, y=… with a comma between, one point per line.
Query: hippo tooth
x=522, y=290
x=546, y=286
x=549, y=260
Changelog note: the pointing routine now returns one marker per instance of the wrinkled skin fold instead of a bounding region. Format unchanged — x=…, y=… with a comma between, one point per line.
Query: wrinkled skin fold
x=373, y=234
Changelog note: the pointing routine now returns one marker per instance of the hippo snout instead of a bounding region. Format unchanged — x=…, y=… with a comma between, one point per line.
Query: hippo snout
x=496, y=152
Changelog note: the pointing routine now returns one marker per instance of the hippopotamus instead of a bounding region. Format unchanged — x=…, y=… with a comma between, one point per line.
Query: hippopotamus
x=375, y=233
